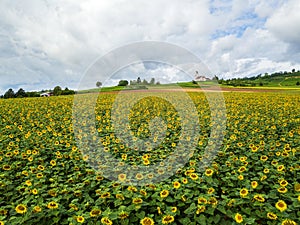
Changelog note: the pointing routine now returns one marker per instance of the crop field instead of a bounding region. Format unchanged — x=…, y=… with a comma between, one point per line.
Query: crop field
x=57, y=168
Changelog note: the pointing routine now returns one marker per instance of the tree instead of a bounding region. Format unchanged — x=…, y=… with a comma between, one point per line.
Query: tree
x=152, y=81
x=9, y=94
x=298, y=83
x=145, y=82
x=98, y=84
x=138, y=81
x=293, y=70
x=21, y=93
x=57, y=91
x=67, y=91
x=32, y=94
x=123, y=83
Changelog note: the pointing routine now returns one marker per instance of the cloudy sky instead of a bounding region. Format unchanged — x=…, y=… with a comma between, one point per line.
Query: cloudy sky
x=46, y=43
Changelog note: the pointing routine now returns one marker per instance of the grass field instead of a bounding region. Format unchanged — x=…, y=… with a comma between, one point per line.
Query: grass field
x=254, y=178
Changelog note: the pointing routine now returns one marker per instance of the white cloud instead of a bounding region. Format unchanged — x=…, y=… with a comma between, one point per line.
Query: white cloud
x=284, y=23
x=53, y=42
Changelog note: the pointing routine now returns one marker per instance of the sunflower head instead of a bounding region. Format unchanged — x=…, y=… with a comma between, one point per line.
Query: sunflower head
x=167, y=219
x=21, y=209
x=238, y=218
x=147, y=221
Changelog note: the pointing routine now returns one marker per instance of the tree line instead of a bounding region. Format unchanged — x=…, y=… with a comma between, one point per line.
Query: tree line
x=260, y=79
x=21, y=93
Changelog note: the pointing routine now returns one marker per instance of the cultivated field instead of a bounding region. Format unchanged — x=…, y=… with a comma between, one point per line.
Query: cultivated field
x=48, y=176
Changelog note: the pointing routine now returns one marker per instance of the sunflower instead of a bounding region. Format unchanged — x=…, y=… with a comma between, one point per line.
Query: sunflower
x=263, y=177
x=243, y=192
x=281, y=205
x=52, y=205
x=1, y=222
x=120, y=196
x=241, y=177
x=150, y=175
x=21, y=209
x=37, y=209
x=193, y=176
x=6, y=167
x=99, y=178
x=39, y=175
x=213, y=201
x=288, y=222
x=243, y=159
x=209, y=172
x=176, y=184
x=254, y=149
x=146, y=162
x=53, y=162
x=280, y=168
x=174, y=209
x=283, y=183
x=200, y=209
x=161, y=171
x=137, y=200
x=3, y=212
x=80, y=219
x=282, y=190
x=266, y=170
x=34, y=191
x=40, y=167
x=132, y=188
x=147, y=221
x=106, y=220
x=264, y=158
x=122, y=177
x=242, y=169
x=28, y=183
x=254, y=184
x=123, y=215
x=271, y=216
x=238, y=218
x=210, y=190
x=184, y=180
x=259, y=198
x=202, y=200
x=95, y=212
x=297, y=187
x=167, y=219
x=105, y=195
x=164, y=193
x=139, y=176
x=143, y=192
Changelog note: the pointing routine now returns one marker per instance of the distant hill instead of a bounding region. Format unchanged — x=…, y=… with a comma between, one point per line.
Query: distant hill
x=278, y=79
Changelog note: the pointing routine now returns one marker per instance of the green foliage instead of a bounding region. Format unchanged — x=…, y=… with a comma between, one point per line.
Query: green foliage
x=123, y=83
x=20, y=93
x=57, y=91
x=98, y=84
x=278, y=79
x=9, y=93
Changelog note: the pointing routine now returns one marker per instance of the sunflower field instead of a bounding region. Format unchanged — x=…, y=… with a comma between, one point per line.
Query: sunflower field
x=48, y=176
